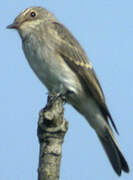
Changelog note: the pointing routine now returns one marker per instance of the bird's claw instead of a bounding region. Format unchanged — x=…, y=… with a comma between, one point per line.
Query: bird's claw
x=53, y=97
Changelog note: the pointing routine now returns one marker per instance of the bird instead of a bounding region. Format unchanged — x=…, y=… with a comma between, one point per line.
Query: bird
x=61, y=64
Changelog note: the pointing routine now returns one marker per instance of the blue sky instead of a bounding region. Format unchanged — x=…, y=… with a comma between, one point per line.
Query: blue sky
x=105, y=30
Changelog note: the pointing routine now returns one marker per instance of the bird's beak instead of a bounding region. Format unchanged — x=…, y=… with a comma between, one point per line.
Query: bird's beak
x=14, y=25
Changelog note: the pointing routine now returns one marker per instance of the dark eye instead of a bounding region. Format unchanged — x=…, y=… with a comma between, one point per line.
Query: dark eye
x=32, y=14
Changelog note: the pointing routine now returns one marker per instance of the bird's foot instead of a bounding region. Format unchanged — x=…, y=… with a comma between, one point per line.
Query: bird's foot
x=53, y=97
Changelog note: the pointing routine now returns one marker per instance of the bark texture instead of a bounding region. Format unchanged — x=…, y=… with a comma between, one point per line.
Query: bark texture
x=51, y=131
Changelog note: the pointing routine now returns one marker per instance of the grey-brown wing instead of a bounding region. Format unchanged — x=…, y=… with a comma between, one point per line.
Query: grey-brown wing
x=75, y=57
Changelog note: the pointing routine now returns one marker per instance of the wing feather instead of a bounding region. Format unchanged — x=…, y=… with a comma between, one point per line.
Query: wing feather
x=77, y=60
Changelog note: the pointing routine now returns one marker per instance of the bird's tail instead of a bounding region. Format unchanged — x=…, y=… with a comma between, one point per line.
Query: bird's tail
x=113, y=152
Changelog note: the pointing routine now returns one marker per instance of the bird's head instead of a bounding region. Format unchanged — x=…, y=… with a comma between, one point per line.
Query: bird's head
x=31, y=20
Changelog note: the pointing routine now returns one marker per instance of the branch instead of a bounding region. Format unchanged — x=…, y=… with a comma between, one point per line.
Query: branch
x=51, y=131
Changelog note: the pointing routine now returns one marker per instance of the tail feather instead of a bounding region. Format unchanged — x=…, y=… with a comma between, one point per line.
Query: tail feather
x=123, y=163
x=113, y=152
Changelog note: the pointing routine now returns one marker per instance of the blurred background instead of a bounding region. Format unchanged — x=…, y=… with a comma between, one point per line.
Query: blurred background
x=105, y=30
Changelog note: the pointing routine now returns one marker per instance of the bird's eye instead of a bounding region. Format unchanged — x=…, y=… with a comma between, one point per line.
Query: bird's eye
x=32, y=14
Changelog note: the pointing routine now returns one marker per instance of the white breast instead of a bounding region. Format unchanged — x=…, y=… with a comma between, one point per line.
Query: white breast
x=50, y=67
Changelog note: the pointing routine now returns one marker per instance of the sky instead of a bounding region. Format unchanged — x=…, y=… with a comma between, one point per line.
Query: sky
x=105, y=30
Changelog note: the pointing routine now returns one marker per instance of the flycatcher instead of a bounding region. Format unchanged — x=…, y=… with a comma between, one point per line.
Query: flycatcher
x=63, y=67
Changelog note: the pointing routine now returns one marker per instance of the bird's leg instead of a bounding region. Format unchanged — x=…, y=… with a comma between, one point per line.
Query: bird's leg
x=53, y=96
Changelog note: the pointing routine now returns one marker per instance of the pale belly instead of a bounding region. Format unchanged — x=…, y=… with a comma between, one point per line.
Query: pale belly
x=56, y=75
x=51, y=69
